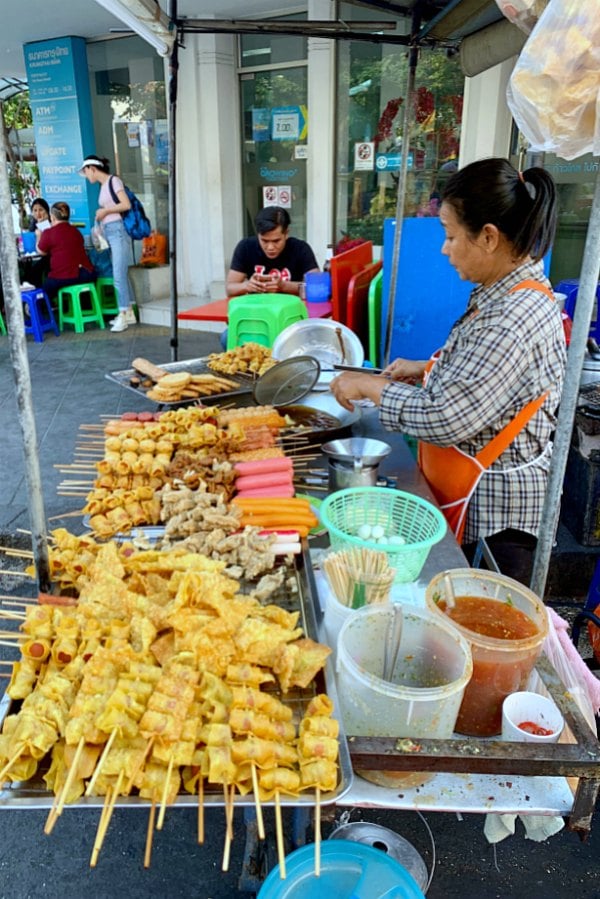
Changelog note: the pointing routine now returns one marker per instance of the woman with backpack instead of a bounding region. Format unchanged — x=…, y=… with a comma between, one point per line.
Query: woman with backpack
x=109, y=213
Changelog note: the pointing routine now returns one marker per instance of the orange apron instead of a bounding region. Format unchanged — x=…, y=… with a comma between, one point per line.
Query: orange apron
x=452, y=474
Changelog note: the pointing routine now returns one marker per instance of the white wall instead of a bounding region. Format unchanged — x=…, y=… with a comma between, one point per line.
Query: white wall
x=321, y=144
x=487, y=121
x=208, y=164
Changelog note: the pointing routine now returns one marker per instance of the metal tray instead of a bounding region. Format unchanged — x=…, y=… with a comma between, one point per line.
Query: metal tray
x=195, y=367
x=33, y=794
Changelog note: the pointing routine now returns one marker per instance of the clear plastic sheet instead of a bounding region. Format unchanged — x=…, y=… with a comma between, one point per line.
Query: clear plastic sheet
x=553, y=92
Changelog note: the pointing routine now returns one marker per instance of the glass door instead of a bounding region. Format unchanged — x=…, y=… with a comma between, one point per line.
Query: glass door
x=274, y=134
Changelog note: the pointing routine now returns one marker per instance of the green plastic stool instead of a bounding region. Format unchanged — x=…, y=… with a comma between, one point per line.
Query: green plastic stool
x=2, y=325
x=107, y=294
x=70, y=310
x=260, y=318
x=374, y=314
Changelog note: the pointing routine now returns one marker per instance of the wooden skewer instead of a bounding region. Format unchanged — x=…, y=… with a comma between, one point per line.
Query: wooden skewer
x=12, y=635
x=229, y=829
x=70, y=778
x=101, y=761
x=317, y=831
x=16, y=573
x=9, y=601
x=259, y=815
x=139, y=765
x=12, y=761
x=67, y=515
x=200, y=810
x=11, y=551
x=6, y=662
x=12, y=616
x=150, y=834
x=165, y=793
x=12, y=646
x=101, y=829
x=279, y=836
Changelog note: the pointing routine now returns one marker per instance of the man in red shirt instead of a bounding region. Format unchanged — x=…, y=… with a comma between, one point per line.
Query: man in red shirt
x=63, y=243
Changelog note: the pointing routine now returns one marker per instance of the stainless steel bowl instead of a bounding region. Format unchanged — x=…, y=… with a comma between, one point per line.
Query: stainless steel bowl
x=328, y=341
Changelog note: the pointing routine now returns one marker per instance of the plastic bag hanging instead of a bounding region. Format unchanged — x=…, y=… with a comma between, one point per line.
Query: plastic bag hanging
x=553, y=91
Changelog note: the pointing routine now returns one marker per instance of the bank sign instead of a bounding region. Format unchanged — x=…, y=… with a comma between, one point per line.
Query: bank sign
x=59, y=96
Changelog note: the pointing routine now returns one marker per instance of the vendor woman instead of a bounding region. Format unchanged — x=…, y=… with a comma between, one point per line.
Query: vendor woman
x=484, y=407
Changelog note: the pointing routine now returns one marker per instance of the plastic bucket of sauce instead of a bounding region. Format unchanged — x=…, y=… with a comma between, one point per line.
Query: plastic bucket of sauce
x=505, y=624
x=426, y=687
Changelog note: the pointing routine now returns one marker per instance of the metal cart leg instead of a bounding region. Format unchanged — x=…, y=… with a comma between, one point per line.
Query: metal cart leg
x=300, y=823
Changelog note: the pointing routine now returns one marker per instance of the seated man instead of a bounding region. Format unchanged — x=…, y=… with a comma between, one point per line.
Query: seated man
x=271, y=262
x=63, y=243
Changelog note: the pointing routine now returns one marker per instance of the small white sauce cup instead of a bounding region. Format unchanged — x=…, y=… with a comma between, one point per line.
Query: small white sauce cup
x=526, y=706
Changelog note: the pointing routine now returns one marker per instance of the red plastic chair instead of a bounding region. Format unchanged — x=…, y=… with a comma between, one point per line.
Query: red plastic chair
x=343, y=267
x=357, y=303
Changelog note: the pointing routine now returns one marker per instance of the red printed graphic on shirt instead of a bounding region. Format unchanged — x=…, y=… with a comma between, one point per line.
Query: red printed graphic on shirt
x=283, y=274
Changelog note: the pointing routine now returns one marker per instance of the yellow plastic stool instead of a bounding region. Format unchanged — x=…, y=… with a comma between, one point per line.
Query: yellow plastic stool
x=260, y=318
x=70, y=310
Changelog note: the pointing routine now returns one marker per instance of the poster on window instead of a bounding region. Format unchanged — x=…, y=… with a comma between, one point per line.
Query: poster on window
x=161, y=141
x=364, y=156
x=278, y=195
x=270, y=195
x=133, y=134
x=261, y=124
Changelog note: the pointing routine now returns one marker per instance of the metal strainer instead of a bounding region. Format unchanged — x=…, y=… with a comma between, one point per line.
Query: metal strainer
x=287, y=382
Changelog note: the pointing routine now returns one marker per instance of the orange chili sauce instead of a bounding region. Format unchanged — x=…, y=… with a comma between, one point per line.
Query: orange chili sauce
x=493, y=679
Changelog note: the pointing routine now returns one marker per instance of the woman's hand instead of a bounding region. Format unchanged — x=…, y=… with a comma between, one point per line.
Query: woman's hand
x=351, y=386
x=100, y=213
x=407, y=370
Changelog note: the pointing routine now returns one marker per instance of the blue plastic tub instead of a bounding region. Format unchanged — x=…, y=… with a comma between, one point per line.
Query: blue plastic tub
x=318, y=287
x=349, y=870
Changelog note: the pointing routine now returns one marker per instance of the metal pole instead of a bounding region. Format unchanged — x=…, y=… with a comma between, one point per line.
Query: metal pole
x=173, y=77
x=590, y=269
x=395, y=261
x=20, y=365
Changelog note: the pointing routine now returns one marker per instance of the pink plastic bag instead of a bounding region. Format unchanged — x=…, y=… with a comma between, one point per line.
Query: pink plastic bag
x=553, y=92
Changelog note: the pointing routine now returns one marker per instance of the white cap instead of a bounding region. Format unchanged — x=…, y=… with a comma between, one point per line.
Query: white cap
x=91, y=160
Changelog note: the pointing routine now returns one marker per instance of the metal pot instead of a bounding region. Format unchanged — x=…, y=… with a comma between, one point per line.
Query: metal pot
x=590, y=372
x=354, y=462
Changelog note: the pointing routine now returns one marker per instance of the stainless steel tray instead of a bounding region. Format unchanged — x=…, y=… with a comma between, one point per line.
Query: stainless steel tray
x=34, y=795
x=195, y=367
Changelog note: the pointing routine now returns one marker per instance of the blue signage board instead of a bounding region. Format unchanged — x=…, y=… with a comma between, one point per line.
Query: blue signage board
x=391, y=162
x=59, y=95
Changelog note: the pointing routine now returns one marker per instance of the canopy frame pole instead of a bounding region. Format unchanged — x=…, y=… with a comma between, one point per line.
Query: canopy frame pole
x=173, y=85
x=20, y=366
x=586, y=294
x=402, y=181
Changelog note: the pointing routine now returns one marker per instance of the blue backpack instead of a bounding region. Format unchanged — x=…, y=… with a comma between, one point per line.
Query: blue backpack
x=135, y=221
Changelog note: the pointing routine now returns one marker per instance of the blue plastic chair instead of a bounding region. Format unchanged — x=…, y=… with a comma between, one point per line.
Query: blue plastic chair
x=570, y=288
x=588, y=614
x=38, y=314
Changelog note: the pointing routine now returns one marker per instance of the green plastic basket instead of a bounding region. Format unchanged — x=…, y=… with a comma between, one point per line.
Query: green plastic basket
x=400, y=514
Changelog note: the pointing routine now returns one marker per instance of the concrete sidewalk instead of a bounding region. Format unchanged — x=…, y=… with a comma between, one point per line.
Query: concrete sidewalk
x=69, y=389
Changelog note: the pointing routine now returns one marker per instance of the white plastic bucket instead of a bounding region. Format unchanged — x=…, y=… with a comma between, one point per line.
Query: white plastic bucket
x=424, y=695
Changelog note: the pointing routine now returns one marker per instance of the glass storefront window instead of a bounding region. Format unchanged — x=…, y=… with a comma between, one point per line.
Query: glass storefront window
x=130, y=119
x=371, y=95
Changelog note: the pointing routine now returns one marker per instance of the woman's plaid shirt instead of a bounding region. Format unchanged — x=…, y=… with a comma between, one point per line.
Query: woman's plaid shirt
x=507, y=349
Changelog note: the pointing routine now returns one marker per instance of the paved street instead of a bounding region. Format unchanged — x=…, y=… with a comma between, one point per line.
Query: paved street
x=69, y=388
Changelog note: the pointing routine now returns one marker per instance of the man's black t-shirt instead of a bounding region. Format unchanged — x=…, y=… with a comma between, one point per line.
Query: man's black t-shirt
x=293, y=262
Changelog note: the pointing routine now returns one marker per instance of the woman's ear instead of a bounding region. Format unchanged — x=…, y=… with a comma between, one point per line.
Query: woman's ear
x=490, y=237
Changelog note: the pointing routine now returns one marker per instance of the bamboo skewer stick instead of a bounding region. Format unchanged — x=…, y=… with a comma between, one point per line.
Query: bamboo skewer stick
x=12, y=761
x=165, y=793
x=139, y=765
x=69, y=780
x=13, y=551
x=8, y=600
x=229, y=829
x=102, y=825
x=10, y=645
x=16, y=573
x=66, y=515
x=12, y=616
x=259, y=815
x=200, y=810
x=279, y=837
x=149, y=835
x=317, y=831
x=101, y=761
